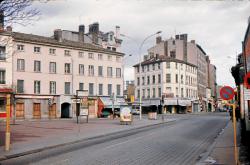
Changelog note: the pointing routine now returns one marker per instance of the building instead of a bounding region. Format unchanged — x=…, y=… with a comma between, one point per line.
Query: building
x=45, y=72
x=239, y=71
x=190, y=52
x=167, y=82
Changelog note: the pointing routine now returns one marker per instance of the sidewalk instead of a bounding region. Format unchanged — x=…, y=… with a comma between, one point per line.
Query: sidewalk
x=27, y=136
x=222, y=151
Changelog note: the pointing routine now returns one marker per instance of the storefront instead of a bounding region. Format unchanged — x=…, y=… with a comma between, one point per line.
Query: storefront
x=3, y=100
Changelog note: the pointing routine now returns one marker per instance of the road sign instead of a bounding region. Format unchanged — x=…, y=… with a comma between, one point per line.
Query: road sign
x=247, y=80
x=227, y=93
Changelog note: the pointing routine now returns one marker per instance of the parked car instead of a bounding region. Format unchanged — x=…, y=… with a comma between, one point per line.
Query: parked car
x=135, y=109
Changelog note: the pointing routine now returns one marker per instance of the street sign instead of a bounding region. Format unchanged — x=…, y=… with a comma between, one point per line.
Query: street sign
x=76, y=100
x=227, y=93
x=246, y=94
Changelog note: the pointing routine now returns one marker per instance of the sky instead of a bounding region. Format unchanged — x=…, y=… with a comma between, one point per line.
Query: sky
x=218, y=26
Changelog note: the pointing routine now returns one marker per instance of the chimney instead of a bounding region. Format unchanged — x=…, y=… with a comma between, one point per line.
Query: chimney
x=1, y=20
x=177, y=37
x=158, y=40
x=183, y=37
x=81, y=33
x=193, y=41
x=117, y=32
x=9, y=28
x=94, y=28
x=58, y=35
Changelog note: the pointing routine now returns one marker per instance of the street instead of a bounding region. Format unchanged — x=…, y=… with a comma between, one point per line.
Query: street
x=179, y=142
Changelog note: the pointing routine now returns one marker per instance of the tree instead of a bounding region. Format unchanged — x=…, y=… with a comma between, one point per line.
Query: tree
x=18, y=11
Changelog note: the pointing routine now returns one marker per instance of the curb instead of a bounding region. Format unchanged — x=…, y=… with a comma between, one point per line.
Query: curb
x=6, y=157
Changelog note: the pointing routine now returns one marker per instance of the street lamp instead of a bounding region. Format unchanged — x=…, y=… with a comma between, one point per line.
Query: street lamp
x=139, y=53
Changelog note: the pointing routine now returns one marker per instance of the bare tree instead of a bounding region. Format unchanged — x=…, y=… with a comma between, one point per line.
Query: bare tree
x=18, y=11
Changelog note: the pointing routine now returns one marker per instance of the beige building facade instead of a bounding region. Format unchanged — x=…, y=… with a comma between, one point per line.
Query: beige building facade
x=46, y=72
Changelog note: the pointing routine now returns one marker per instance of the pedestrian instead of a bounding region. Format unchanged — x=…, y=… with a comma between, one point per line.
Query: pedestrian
x=237, y=113
x=230, y=113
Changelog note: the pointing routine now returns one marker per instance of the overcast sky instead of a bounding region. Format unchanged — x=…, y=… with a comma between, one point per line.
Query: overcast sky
x=218, y=26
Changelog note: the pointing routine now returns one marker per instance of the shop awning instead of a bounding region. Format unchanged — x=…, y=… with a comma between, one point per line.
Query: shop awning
x=170, y=101
x=117, y=103
x=182, y=102
x=150, y=102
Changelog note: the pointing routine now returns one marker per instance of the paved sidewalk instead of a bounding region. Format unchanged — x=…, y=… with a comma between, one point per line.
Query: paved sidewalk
x=28, y=136
x=222, y=151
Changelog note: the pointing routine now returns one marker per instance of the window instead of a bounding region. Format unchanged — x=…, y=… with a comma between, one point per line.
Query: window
x=67, y=68
x=37, y=49
x=67, y=88
x=147, y=67
x=176, y=91
x=138, y=93
x=159, y=78
x=37, y=85
x=109, y=57
x=153, y=77
x=109, y=72
x=20, y=86
x=100, y=70
x=80, y=54
x=52, y=67
x=143, y=93
x=90, y=55
x=168, y=64
x=153, y=92
x=138, y=69
x=100, y=57
x=91, y=70
x=20, y=65
x=148, y=80
x=142, y=68
x=118, y=72
x=66, y=52
x=100, y=89
x=159, y=92
x=168, y=78
x=176, y=78
x=143, y=80
x=181, y=79
x=148, y=93
x=173, y=42
x=181, y=66
x=81, y=86
x=2, y=76
x=2, y=53
x=138, y=81
x=159, y=66
x=176, y=65
x=182, y=93
x=91, y=89
x=20, y=47
x=52, y=87
x=118, y=59
x=172, y=54
x=81, y=69
x=113, y=49
x=153, y=66
x=37, y=66
x=52, y=51
x=109, y=89
x=118, y=90
x=168, y=89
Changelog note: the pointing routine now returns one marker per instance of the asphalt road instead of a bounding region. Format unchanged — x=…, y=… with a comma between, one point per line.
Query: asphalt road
x=180, y=142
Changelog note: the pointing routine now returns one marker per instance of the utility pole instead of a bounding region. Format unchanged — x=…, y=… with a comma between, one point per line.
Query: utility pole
x=7, y=133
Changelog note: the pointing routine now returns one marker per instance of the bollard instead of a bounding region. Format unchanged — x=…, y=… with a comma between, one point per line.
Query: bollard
x=7, y=133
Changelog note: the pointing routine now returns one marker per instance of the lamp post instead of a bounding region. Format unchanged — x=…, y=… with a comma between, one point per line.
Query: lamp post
x=139, y=54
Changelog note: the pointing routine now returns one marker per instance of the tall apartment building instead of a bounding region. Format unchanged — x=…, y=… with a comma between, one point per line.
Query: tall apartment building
x=190, y=52
x=171, y=78
x=42, y=69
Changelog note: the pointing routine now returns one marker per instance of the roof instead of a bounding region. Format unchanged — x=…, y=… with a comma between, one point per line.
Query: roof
x=198, y=46
x=163, y=59
x=31, y=38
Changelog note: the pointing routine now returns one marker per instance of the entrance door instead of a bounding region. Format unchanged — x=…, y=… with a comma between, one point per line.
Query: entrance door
x=65, y=107
x=37, y=111
x=20, y=110
x=52, y=111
